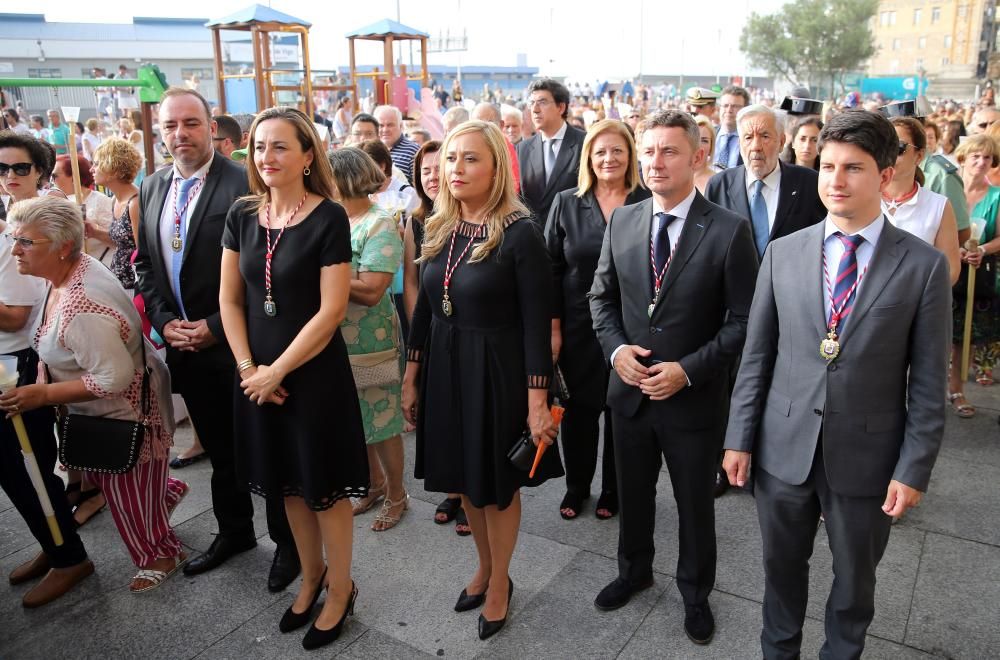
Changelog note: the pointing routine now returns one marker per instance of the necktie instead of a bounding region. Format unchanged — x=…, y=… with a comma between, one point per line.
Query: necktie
x=550, y=159
x=661, y=246
x=725, y=144
x=758, y=217
x=847, y=276
x=177, y=256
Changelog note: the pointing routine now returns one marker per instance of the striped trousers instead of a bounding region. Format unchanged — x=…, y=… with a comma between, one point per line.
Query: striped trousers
x=138, y=501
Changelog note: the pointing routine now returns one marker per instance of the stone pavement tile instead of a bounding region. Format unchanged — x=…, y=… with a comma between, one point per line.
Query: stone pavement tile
x=374, y=644
x=562, y=622
x=975, y=439
x=176, y=620
x=260, y=639
x=961, y=497
x=5, y=502
x=409, y=579
x=14, y=534
x=199, y=531
x=199, y=498
x=955, y=603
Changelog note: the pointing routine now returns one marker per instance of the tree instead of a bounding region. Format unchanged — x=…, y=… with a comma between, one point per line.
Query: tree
x=812, y=40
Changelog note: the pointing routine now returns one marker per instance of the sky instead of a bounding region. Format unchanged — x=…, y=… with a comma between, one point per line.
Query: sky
x=583, y=39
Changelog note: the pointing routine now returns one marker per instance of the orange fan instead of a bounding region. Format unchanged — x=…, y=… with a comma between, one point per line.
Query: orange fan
x=557, y=415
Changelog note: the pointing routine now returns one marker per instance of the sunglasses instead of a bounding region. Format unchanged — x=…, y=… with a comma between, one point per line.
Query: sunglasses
x=20, y=169
x=28, y=243
x=903, y=146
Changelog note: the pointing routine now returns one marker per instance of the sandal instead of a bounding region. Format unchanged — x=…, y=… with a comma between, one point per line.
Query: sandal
x=364, y=504
x=84, y=497
x=154, y=577
x=574, y=503
x=964, y=410
x=449, y=508
x=383, y=514
x=607, y=506
x=985, y=378
x=462, y=527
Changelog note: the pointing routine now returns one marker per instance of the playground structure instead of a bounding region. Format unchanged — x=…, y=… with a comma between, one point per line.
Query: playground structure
x=389, y=87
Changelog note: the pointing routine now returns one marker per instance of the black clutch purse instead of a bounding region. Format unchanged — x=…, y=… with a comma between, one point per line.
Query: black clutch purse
x=102, y=444
x=522, y=454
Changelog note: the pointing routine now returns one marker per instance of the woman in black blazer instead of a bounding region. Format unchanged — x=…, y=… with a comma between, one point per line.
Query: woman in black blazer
x=574, y=232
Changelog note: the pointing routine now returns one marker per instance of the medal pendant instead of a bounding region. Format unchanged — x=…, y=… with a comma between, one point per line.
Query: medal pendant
x=829, y=348
x=649, y=310
x=270, y=308
x=446, y=306
x=176, y=244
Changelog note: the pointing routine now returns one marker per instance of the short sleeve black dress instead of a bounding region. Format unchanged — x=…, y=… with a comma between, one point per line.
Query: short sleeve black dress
x=478, y=363
x=313, y=446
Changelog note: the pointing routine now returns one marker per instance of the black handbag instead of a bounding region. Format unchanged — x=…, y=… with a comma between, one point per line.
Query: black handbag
x=102, y=444
x=522, y=454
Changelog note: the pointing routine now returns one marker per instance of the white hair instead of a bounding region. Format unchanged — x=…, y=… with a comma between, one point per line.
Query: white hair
x=453, y=117
x=56, y=219
x=396, y=111
x=757, y=110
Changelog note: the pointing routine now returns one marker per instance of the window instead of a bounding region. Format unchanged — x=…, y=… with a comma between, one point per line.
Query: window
x=919, y=63
x=935, y=14
x=947, y=41
x=963, y=10
x=922, y=43
x=917, y=13
x=45, y=73
x=887, y=18
x=203, y=74
x=897, y=44
x=945, y=61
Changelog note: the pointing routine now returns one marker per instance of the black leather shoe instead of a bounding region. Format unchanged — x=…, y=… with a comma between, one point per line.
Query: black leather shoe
x=699, y=624
x=222, y=548
x=315, y=638
x=489, y=628
x=721, y=482
x=618, y=593
x=292, y=620
x=284, y=568
x=467, y=602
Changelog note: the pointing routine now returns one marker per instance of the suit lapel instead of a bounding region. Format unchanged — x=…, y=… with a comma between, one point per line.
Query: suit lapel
x=194, y=222
x=884, y=261
x=737, y=193
x=811, y=256
x=568, y=151
x=788, y=198
x=590, y=210
x=159, y=188
x=695, y=227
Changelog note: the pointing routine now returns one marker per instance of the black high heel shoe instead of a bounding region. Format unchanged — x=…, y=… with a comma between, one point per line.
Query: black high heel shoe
x=467, y=602
x=489, y=628
x=315, y=638
x=294, y=620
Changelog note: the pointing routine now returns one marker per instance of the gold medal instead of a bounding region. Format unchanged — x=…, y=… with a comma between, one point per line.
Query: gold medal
x=269, y=307
x=446, y=305
x=176, y=244
x=829, y=348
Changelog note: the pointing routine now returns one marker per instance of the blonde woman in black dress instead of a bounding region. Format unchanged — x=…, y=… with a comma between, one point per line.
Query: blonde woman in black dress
x=479, y=358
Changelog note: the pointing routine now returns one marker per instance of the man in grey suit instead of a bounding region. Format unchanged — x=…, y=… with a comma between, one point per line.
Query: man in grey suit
x=670, y=300
x=840, y=394
x=549, y=161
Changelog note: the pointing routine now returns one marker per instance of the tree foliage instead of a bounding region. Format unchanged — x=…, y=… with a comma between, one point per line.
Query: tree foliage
x=811, y=40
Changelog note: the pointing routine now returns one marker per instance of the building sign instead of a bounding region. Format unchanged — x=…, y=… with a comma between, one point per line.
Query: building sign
x=243, y=52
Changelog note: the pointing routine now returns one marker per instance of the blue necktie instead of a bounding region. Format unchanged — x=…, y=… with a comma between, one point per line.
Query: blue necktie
x=847, y=275
x=758, y=217
x=727, y=143
x=661, y=246
x=177, y=256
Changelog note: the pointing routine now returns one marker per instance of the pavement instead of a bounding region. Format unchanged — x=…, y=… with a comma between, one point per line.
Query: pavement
x=938, y=592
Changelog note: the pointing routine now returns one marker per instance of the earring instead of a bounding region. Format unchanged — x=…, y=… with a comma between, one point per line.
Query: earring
x=306, y=172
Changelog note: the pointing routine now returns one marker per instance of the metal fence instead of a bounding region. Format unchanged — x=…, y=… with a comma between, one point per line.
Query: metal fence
x=39, y=99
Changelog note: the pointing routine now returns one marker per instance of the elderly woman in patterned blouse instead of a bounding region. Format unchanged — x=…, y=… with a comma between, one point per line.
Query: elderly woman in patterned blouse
x=89, y=337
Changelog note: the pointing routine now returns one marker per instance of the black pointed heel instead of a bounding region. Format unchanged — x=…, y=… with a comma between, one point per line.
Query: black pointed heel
x=467, y=602
x=316, y=638
x=489, y=628
x=294, y=620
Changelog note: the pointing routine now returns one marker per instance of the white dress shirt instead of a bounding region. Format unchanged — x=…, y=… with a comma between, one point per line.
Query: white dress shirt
x=770, y=190
x=556, y=141
x=833, y=250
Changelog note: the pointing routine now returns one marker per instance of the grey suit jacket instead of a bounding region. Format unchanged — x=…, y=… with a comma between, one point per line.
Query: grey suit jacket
x=880, y=405
x=537, y=194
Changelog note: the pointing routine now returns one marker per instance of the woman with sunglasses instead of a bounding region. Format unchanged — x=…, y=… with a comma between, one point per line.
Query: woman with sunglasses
x=25, y=166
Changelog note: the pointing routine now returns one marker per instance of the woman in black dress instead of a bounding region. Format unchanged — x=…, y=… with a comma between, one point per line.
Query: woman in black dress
x=285, y=281
x=574, y=233
x=479, y=364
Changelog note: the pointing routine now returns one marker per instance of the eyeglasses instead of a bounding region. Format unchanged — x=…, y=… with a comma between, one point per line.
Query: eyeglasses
x=20, y=169
x=28, y=243
x=903, y=146
x=219, y=139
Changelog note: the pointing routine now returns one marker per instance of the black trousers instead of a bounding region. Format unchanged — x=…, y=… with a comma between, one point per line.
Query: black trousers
x=209, y=400
x=858, y=531
x=641, y=444
x=17, y=484
x=580, y=437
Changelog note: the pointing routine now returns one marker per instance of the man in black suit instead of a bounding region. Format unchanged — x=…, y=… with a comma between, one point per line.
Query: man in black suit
x=180, y=251
x=549, y=161
x=787, y=200
x=670, y=302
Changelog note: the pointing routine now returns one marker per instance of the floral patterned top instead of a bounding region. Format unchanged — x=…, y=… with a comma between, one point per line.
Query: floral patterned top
x=120, y=232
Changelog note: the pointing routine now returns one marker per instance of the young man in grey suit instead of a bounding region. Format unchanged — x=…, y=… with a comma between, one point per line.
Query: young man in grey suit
x=670, y=301
x=840, y=394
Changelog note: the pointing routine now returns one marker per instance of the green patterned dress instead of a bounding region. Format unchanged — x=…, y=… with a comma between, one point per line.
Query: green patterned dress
x=376, y=248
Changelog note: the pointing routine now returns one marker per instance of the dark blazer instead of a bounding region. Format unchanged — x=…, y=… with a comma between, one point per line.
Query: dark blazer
x=574, y=234
x=531, y=159
x=701, y=316
x=202, y=262
x=799, y=204
x=880, y=404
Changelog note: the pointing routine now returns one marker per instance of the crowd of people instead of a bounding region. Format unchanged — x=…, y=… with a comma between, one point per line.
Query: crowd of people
x=311, y=300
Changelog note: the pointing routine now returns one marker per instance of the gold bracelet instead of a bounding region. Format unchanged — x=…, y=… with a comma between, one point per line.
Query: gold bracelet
x=244, y=365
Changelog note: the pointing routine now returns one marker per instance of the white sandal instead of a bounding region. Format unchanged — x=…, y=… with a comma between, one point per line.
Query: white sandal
x=383, y=514
x=154, y=577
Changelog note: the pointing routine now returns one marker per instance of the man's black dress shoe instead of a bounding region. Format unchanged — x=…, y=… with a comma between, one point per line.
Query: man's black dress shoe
x=618, y=593
x=467, y=602
x=489, y=628
x=699, y=624
x=222, y=548
x=721, y=482
x=284, y=568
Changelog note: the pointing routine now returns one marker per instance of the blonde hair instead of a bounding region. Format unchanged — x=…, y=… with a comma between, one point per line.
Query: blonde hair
x=320, y=177
x=119, y=158
x=92, y=124
x=978, y=144
x=127, y=124
x=585, y=179
x=57, y=219
x=702, y=120
x=501, y=204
